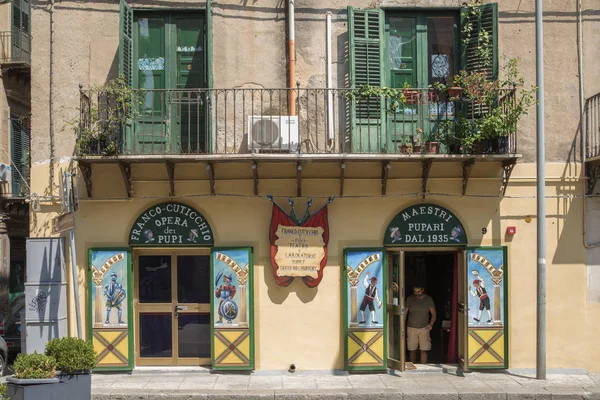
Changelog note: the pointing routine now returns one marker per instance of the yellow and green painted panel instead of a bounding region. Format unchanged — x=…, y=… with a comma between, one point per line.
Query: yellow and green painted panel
x=364, y=311
x=110, y=307
x=232, y=316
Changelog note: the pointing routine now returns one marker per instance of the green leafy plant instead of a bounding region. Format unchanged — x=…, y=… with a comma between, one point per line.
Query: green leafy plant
x=473, y=13
x=72, y=354
x=94, y=135
x=3, y=390
x=34, y=366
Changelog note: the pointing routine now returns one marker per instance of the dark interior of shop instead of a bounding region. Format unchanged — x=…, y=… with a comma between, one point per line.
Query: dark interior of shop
x=434, y=270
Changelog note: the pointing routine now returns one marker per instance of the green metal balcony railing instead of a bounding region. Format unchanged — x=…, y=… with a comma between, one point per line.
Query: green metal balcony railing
x=15, y=48
x=328, y=121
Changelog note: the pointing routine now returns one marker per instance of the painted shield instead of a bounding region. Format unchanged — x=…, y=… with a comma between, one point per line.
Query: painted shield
x=229, y=309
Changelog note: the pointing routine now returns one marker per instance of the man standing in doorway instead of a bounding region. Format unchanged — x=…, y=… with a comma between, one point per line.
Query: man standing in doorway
x=418, y=308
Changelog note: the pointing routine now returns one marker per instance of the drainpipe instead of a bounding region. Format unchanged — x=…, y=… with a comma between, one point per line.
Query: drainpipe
x=582, y=121
x=330, y=133
x=51, y=98
x=292, y=59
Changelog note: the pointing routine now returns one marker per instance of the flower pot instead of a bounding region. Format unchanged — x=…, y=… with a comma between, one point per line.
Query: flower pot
x=405, y=149
x=433, y=147
x=455, y=91
x=479, y=147
x=434, y=97
x=76, y=386
x=498, y=145
x=35, y=389
x=417, y=148
x=412, y=96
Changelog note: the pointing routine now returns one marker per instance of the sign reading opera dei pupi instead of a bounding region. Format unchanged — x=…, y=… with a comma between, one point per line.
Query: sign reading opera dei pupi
x=171, y=224
x=425, y=224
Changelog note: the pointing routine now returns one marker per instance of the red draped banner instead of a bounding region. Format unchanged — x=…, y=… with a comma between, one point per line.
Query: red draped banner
x=279, y=220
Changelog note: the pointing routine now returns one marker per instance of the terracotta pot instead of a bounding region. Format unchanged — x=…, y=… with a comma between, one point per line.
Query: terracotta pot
x=412, y=96
x=478, y=147
x=433, y=147
x=417, y=148
x=405, y=149
x=455, y=91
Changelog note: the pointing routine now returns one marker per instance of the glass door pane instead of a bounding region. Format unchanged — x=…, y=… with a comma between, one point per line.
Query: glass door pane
x=156, y=339
x=154, y=281
x=194, y=335
x=193, y=279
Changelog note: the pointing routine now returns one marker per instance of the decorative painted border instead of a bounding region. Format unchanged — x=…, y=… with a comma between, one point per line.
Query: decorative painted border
x=347, y=332
x=217, y=334
x=91, y=331
x=506, y=308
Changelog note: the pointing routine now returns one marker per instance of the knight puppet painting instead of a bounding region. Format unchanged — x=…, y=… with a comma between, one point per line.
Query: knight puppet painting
x=109, y=289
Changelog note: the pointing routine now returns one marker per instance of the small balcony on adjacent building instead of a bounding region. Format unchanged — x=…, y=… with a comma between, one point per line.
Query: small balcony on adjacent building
x=591, y=129
x=257, y=125
x=15, y=49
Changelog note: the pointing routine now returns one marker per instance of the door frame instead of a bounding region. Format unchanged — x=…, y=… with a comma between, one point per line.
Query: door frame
x=461, y=251
x=400, y=364
x=174, y=360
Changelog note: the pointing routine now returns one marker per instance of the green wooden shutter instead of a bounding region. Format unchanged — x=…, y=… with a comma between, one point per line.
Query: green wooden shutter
x=20, y=157
x=366, y=66
x=487, y=21
x=126, y=43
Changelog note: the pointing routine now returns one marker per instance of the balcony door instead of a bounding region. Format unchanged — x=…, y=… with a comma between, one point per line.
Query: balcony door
x=172, y=308
x=422, y=50
x=168, y=65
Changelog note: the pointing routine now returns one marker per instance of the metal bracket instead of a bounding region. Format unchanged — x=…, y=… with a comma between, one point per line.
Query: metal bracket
x=507, y=168
x=299, y=180
x=86, y=172
x=425, y=175
x=126, y=173
x=210, y=168
x=342, y=170
x=171, y=173
x=255, y=175
x=593, y=175
x=467, y=165
x=385, y=170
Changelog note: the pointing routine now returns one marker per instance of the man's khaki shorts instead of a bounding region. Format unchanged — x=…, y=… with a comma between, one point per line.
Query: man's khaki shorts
x=418, y=338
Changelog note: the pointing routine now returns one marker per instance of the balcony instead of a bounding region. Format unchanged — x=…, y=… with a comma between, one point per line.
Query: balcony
x=591, y=128
x=15, y=49
x=246, y=123
x=422, y=126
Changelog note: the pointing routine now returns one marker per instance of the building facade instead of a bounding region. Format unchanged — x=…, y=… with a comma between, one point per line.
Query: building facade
x=257, y=185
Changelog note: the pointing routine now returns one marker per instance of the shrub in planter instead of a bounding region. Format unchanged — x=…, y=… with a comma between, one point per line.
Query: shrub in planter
x=34, y=378
x=75, y=358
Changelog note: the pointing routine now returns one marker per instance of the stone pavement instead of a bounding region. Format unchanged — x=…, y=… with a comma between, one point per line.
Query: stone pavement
x=413, y=385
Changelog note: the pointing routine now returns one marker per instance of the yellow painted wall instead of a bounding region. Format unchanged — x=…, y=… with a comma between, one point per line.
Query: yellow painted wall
x=303, y=326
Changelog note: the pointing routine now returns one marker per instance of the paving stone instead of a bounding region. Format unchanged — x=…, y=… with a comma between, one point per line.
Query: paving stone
x=97, y=395
x=379, y=394
x=429, y=394
x=528, y=393
x=310, y=395
x=481, y=393
x=241, y=394
x=128, y=394
x=178, y=396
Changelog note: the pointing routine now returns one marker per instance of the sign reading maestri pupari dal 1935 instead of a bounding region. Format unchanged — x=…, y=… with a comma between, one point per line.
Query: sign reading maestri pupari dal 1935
x=172, y=224
x=299, y=245
x=425, y=224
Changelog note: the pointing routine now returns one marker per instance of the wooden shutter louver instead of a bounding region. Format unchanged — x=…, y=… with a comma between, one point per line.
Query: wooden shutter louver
x=471, y=61
x=366, y=52
x=20, y=140
x=126, y=43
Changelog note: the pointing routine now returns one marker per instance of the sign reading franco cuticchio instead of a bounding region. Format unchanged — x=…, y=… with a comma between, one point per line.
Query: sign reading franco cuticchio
x=171, y=224
x=425, y=224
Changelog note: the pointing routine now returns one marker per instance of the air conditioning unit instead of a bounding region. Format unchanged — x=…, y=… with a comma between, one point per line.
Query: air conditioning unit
x=5, y=179
x=273, y=134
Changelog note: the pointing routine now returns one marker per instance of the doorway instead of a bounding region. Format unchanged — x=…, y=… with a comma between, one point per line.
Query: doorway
x=172, y=307
x=435, y=272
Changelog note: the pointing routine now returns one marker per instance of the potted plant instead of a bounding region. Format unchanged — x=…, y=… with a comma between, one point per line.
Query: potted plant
x=432, y=145
x=75, y=359
x=417, y=144
x=34, y=378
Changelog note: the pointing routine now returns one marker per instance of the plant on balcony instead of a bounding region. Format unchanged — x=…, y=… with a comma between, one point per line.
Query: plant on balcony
x=97, y=135
x=395, y=97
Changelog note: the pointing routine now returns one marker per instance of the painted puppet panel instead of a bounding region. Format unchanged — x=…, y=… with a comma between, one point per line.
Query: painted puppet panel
x=231, y=270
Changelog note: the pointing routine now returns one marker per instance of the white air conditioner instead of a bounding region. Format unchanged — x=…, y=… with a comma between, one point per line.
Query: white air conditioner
x=273, y=133
x=5, y=179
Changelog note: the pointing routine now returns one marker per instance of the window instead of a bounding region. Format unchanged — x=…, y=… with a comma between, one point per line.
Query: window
x=394, y=48
x=21, y=30
x=20, y=140
x=163, y=55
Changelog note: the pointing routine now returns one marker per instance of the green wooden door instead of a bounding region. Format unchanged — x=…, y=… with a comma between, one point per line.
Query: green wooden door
x=190, y=67
x=403, y=45
x=162, y=56
x=152, y=128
